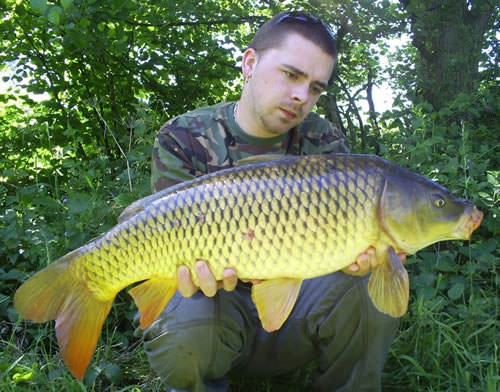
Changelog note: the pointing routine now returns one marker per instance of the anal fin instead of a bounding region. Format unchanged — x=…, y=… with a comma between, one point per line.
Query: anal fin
x=151, y=297
x=274, y=300
x=389, y=286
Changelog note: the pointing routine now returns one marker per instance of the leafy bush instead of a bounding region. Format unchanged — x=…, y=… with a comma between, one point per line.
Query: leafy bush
x=54, y=202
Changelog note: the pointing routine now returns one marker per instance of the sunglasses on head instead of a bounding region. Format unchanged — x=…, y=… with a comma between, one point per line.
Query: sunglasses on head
x=305, y=17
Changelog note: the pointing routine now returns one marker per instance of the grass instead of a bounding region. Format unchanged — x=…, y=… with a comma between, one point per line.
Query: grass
x=34, y=364
x=438, y=351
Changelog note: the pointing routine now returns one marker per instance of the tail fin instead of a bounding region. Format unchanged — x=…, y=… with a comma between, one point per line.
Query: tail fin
x=389, y=287
x=55, y=294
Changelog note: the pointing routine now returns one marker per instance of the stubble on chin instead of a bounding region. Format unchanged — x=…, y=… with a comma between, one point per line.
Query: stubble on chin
x=275, y=125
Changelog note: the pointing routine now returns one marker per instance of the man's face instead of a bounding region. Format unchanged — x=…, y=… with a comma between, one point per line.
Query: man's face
x=285, y=83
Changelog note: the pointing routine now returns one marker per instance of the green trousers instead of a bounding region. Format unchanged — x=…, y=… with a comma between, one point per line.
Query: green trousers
x=195, y=343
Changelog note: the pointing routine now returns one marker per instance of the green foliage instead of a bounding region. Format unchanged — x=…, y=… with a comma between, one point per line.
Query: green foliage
x=57, y=204
x=446, y=339
x=449, y=38
x=97, y=61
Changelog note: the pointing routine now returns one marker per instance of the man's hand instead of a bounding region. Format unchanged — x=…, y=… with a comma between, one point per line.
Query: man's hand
x=366, y=262
x=208, y=284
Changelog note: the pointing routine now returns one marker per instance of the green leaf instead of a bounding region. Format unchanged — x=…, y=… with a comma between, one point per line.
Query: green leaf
x=66, y=3
x=91, y=374
x=12, y=314
x=54, y=15
x=47, y=202
x=39, y=5
x=446, y=265
x=124, y=199
x=13, y=274
x=456, y=291
x=112, y=371
x=84, y=22
x=78, y=203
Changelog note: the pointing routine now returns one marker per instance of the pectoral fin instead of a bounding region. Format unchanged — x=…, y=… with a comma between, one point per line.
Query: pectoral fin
x=389, y=286
x=151, y=297
x=274, y=300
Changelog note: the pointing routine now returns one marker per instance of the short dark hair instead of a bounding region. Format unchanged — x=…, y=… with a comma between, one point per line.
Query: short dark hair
x=272, y=33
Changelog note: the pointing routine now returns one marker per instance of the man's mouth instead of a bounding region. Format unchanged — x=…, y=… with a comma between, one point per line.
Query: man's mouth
x=289, y=114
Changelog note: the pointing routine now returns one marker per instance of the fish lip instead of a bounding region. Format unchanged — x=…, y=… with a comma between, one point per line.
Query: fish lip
x=471, y=222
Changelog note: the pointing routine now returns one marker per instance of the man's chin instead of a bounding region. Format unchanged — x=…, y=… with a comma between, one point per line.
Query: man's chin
x=279, y=125
x=278, y=131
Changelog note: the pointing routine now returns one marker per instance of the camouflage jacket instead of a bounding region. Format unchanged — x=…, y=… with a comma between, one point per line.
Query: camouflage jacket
x=209, y=139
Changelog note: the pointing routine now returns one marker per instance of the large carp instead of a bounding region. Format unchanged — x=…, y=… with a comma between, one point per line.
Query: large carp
x=281, y=221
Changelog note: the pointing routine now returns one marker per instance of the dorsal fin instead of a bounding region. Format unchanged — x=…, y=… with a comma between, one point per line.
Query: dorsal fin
x=141, y=204
x=130, y=211
x=261, y=158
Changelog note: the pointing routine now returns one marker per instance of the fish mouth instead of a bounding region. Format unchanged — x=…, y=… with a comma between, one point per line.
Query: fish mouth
x=471, y=223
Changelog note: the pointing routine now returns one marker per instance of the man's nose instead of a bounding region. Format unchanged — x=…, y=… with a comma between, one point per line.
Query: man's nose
x=300, y=92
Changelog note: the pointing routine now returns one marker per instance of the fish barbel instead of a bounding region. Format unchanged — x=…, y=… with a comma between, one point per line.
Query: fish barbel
x=280, y=220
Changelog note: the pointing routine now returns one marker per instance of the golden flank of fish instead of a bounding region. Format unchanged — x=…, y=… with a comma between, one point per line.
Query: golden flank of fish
x=279, y=220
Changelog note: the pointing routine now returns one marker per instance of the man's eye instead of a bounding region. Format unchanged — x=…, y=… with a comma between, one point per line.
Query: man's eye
x=290, y=75
x=317, y=90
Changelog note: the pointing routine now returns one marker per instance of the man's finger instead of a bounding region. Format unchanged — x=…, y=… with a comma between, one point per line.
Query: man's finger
x=352, y=269
x=186, y=285
x=229, y=280
x=364, y=265
x=208, y=284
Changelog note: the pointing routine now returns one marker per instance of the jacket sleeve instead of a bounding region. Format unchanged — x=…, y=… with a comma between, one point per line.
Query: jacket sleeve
x=334, y=140
x=323, y=137
x=172, y=155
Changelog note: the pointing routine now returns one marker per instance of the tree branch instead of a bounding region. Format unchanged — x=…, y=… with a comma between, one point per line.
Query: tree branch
x=354, y=109
x=371, y=105
x=199, y=23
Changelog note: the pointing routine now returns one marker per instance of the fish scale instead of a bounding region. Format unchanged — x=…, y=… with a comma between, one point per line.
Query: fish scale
x=281, y=221
x=254, y=250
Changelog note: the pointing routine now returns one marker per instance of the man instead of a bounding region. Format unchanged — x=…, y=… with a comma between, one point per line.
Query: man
x=202, y=336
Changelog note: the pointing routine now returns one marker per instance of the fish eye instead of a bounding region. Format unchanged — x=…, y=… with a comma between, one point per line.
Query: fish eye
x=438, y=200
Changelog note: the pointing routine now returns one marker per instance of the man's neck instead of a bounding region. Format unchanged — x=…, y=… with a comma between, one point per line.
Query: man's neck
x=248, y=122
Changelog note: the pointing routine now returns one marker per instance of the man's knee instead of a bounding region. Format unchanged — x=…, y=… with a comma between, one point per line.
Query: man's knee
x=195, y=340
x=182, y=355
